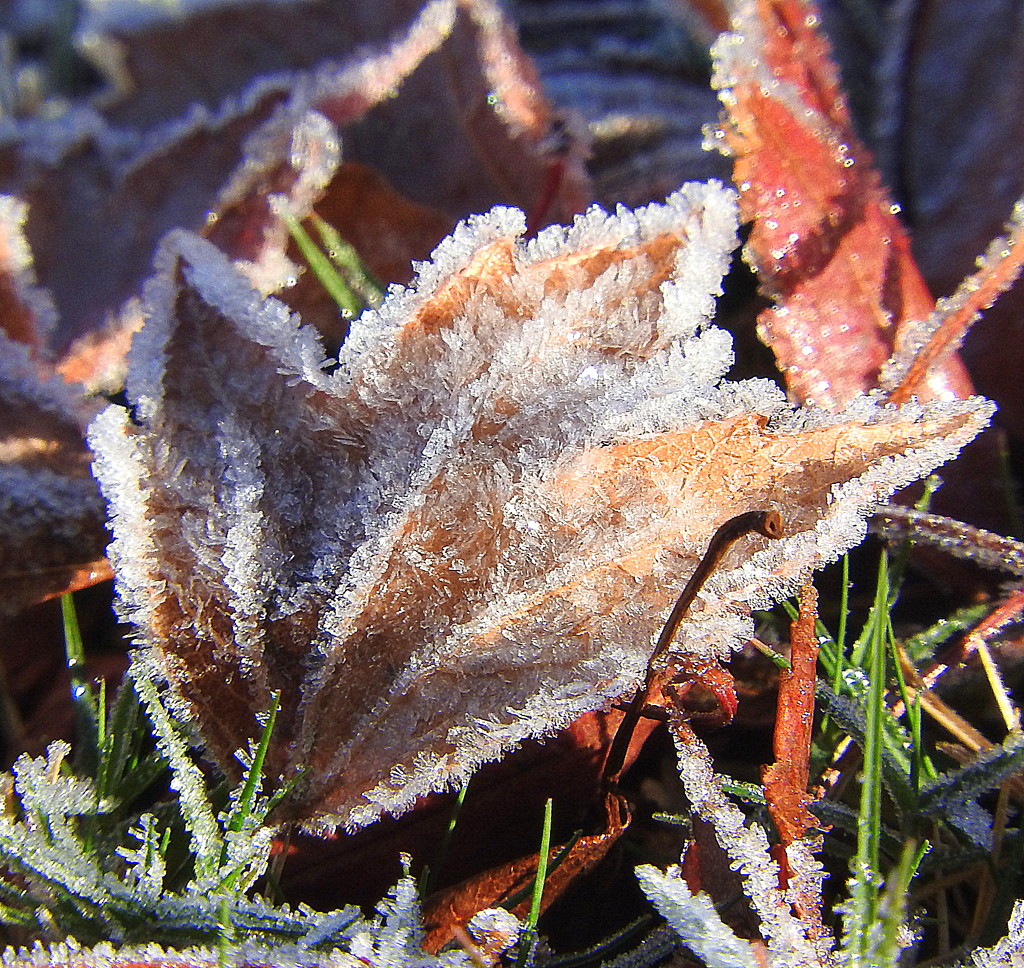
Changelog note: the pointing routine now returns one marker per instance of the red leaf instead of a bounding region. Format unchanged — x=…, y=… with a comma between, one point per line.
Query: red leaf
x=826, y=242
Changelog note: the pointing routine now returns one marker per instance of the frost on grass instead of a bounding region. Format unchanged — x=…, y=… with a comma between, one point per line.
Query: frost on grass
x=82, y=869
x=470, y=530
x=392, y=940
x=693, y=917
x=794, y=942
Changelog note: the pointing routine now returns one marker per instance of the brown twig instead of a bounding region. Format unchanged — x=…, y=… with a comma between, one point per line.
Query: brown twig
x=768, y=523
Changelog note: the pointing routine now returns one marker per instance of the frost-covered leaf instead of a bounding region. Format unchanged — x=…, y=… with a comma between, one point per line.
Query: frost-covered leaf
x=89, y=203
x=469, y=532
x=438, y=98
x=922, y=345
x=26, y=312
x=693, y=917
x=826, y=241
x=161, y=59
x=509, y=885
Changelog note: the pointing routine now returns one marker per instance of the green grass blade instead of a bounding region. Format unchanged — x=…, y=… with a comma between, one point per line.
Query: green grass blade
x=347, y=299
x=861, y=914
x=844, y=612
x=188, y=780
x=352, y=268
x=528, y=939
x=82, y=698
x=894, y=903
x=124, y=771
x=430, y=872
x=925, y=644
x=243, y=808
x=542, y=868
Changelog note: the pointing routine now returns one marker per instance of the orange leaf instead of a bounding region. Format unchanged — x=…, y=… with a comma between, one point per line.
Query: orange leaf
x=785, y=780
x=470, y=531
x=445, y=911
x=826, y=241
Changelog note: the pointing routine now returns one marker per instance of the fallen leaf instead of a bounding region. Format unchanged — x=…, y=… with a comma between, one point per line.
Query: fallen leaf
x=785, y=780
x=510, y=796
x=826, y=241
x=90, y=202
x=160, y=60
x=635, y=75
x=470, y=532
x=510, y=885
x=52, y=526
x=100, y=197
x=923, y=345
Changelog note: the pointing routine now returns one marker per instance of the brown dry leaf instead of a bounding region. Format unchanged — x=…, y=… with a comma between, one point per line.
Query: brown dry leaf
x=826, y=241
x=468, y=533
x=445, y=912
x=387, y=229
x=509, y=796
x=785, y=780
x=468, y=131
x=92, y=203
x=26, y=312
x=99, y=200
x=162, y=59
x=52, y=529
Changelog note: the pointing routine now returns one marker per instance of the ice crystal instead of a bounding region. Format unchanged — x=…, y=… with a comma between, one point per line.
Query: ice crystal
x=78, y=877
x=1009, y=951
x=896, y=524
x=790, y=940
x=925, y=343
x=694, y=918
x=469, y=530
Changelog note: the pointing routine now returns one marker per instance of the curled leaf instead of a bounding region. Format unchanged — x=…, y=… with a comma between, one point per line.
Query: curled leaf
x=469, y=532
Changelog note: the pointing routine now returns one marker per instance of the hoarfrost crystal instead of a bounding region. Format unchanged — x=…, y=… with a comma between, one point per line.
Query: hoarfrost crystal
x=470, y=530
x=694, y=918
